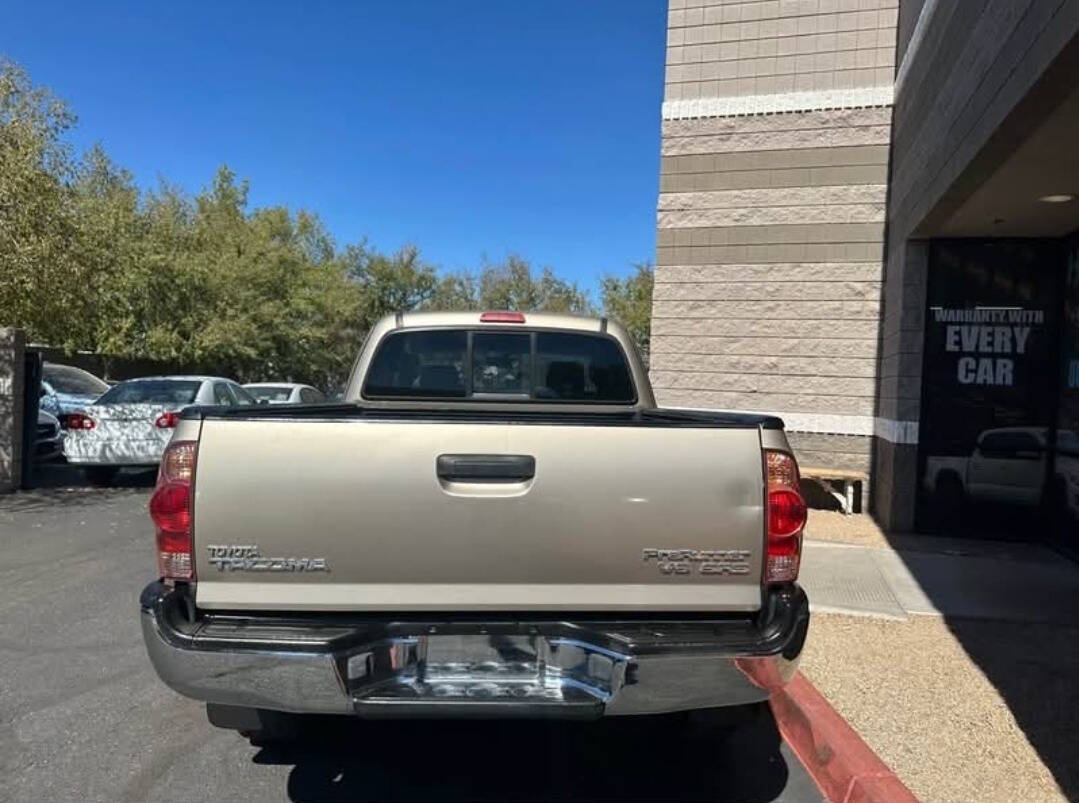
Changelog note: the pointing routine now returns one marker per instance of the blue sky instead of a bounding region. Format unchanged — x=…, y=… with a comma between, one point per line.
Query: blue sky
x=464, y=127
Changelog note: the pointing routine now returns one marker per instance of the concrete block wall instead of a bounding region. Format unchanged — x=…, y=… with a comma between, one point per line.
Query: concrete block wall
x=12, y=347
x=973, y=80
x=771, y=214
x=895, y=467
x=761, y=47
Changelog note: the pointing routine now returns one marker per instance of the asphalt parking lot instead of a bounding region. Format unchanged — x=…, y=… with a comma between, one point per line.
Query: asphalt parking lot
x=83, y=717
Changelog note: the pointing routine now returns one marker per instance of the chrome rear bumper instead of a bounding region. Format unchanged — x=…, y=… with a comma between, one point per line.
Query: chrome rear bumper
x=467, y=666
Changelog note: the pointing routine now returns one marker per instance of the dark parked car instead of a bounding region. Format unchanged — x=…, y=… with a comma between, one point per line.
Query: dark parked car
x=67, y=389
x=48, y=439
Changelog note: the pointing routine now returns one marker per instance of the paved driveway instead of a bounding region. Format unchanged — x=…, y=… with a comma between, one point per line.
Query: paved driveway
x=82, y=716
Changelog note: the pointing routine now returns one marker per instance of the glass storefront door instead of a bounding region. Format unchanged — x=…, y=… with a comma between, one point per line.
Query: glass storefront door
x=989, y=384
x=1063, y=490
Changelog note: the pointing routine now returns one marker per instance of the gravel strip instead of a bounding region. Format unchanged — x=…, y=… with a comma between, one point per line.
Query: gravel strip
x=961, y=710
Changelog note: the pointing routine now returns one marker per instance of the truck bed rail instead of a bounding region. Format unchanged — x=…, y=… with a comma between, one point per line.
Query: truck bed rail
x=569, y=415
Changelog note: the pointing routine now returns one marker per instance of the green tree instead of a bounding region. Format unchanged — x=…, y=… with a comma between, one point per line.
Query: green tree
x=41, y=275
x=255, y=294
x=511, y=284
x=105, y=203
x=629, y=301
x=390, y=283
x=455, y=292
x=202, y=281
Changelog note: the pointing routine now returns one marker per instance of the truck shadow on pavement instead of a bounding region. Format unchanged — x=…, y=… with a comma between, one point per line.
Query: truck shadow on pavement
x=643, y=758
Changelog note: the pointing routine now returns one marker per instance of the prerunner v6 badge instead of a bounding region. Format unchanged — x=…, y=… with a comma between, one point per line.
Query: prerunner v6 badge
x=699, y=561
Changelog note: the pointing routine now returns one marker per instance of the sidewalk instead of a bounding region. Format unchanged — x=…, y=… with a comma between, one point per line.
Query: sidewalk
x=943, y=577
x=957, y=661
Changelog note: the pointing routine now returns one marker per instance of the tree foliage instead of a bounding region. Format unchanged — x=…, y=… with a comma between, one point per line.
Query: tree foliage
x=39, y=233
x=88, y=261
x=511, y=285
x=629, y=301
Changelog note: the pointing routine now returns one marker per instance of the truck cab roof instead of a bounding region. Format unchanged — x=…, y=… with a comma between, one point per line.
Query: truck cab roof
x=503, y=321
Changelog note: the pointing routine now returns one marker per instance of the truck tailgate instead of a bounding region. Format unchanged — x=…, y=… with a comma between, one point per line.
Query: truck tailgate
x=353, y=515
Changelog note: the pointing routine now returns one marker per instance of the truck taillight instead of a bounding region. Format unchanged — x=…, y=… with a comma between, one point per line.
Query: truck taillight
x=786, y=518
x=170, y=508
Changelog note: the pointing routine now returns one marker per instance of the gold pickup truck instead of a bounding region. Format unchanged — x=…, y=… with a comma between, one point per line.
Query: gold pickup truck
x=496, y=521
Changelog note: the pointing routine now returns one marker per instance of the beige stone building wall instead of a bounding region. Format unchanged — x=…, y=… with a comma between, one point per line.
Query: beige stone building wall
x=719, y=48
x=773, y=186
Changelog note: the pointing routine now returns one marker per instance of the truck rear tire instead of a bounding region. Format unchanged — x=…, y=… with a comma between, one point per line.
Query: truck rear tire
x=720, y=721
x=259, y=726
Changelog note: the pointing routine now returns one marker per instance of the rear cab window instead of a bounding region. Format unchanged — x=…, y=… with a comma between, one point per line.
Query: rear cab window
x=500, y=365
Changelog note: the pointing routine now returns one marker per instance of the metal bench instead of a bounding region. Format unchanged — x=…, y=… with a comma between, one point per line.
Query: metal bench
x=824, y=476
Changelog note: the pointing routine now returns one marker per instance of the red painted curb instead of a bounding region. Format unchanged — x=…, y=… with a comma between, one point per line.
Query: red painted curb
x=841, y=764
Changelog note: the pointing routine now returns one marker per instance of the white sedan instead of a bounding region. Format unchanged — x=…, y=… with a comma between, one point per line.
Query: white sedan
x=284, y=393
x=131, y=423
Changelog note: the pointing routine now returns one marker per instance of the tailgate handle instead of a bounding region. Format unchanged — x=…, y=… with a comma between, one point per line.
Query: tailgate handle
x=485, y=467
